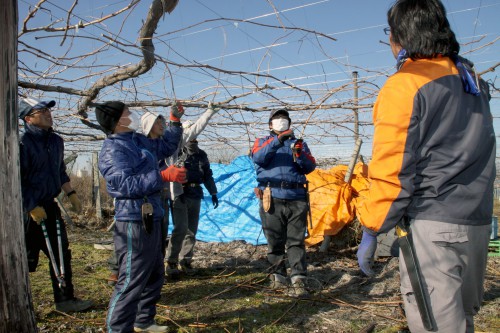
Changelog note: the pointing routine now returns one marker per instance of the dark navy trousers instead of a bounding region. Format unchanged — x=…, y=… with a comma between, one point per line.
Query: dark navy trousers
x=285, y=226
x=35, y=242
x=140, y=276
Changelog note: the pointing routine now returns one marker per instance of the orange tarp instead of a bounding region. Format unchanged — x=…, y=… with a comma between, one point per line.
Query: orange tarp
x=332, y=201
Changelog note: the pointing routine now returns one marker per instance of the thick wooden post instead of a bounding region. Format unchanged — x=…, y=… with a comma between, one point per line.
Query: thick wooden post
x=16, y=306
x=96, y=195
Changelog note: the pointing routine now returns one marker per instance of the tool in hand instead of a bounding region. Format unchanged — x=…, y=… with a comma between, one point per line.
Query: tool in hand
x=408, y=250
x=297, y=148
x=59, y=274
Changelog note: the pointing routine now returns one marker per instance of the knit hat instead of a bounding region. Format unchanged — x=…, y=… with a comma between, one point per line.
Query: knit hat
x=26, y=105
x=108, y=114
x=147, y=121
x=279, y=111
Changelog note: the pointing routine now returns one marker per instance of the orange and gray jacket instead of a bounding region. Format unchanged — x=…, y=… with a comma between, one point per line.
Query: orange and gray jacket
x=433, y=152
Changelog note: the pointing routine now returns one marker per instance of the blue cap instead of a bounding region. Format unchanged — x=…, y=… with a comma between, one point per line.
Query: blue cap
x=26, y=105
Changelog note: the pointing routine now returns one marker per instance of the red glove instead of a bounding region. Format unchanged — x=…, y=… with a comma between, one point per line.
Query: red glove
x=285, y=135
x=297, y=147
x=176, y=112
x=174, y=174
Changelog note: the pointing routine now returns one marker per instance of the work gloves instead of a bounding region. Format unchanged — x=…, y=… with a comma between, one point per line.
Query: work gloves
x=213, y=107
x=297, y=147
x=285, y=135
x=176, y=112
x=174, y=174
x=366, y=252
x=38, y=214
x=215, y=201
x=75, y=202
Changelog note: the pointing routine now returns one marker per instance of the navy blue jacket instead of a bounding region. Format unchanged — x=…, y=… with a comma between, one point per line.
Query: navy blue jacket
x=43, y=171
x=275, y=164
x=129, y=164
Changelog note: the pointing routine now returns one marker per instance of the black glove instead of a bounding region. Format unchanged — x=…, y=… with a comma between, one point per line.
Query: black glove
x=285, y=135
x=215, y=201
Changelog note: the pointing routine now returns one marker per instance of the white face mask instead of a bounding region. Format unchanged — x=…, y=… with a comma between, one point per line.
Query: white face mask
x=280, y=124
x=135, y=121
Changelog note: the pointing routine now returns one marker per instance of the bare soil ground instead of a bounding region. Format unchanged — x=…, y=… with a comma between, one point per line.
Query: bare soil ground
x=230, y=292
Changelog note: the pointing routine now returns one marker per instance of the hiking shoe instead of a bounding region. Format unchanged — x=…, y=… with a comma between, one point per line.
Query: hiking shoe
x=187, y=268
x=298, y=288
x=113, y=279
x=278, y=281
x=172, y=272
x=153, y=328
x=73, y=305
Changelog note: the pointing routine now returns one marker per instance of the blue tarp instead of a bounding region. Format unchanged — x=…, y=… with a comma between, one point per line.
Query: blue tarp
x=237, y=217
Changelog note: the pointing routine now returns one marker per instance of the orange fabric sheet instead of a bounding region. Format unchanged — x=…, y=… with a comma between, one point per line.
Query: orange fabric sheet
x=332, y=201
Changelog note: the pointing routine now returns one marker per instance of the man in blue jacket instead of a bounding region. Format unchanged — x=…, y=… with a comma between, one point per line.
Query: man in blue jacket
x=282, y=161
x=43, y=175
x=128, y=162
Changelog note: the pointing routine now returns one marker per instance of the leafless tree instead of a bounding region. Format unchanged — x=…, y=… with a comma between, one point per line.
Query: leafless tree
x=71, y=56
x=16, y=311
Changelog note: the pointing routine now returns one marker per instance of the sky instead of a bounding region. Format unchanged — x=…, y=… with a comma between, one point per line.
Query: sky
x=236, y=35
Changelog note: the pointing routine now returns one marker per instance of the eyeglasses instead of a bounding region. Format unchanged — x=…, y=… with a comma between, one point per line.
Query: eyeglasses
x=42, y=111
x=387, y=30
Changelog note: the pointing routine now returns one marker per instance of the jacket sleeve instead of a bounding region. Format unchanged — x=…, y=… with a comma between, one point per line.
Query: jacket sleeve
x=306, y=161
x=63, y=175
x=128, y=176
x=168, y=143
x=391, y=182
x=208, y=178
x=193, y=131
x=264, y=150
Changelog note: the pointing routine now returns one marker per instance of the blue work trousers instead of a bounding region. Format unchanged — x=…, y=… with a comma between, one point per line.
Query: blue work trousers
x=140, y=276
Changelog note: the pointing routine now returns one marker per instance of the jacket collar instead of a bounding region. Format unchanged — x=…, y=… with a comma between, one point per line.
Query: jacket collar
x=37, y=131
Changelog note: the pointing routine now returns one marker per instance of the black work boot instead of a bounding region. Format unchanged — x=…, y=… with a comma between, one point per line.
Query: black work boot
x=73, y=305
x=187, y=268
x=172, y=272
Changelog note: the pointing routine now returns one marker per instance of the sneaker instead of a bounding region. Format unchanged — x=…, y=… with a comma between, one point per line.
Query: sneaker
x=73, y=305
x=153, y=328
x=278, y=281
x=113, y=279
x=298, y=288
x=187, y=268
x=172, y=272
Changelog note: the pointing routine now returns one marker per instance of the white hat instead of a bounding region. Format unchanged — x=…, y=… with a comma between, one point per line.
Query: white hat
x=147, y=121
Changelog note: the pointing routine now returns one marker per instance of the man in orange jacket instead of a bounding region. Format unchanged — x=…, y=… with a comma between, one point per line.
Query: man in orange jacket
x=432, y=167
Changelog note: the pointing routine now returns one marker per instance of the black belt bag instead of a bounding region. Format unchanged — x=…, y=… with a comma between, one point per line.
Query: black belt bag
x=191, y=185
x=284, y=185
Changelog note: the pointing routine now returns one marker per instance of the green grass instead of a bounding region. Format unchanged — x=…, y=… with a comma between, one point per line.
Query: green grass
x=236, y=299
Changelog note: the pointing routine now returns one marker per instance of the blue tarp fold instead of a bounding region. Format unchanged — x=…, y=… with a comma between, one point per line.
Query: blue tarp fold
x=237, y=217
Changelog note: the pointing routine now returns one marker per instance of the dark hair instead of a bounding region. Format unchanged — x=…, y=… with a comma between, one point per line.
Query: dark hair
x=422, y=29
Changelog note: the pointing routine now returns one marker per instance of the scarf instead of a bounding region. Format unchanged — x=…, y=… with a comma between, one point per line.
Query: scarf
x=470, y=80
